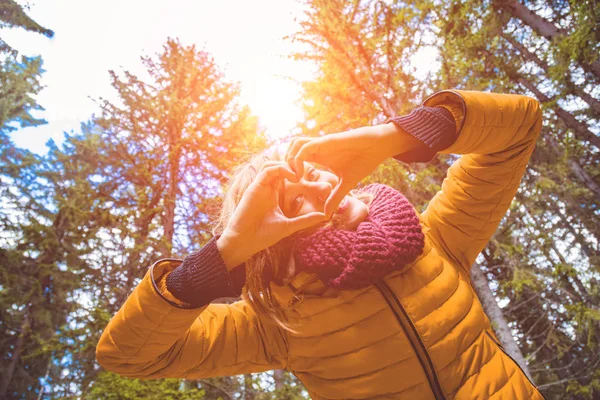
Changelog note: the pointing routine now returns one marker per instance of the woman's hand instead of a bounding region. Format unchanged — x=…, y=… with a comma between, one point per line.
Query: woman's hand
x=351, y=155
x=258, y=222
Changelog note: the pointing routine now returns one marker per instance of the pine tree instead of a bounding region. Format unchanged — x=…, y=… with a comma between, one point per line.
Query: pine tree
x=12, y=15
x=160, y=157
x=37, y=231
x=19, y=82
x=362, y=53
x=19, y=76
x=45, y=228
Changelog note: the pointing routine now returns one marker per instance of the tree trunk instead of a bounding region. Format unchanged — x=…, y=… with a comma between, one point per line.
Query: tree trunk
x=544, y=28
x=572, y=88
x=582, y=291
x=249, y=391
x=584, y=177
x=15, y=356
x=214, y=389
x=579, y=128
x=169, y=201
x=278, y=376
x=576, y=168
x=386, y=108
x=494, y=312
x=45, y=380
x=133, y=264
x=590, y=253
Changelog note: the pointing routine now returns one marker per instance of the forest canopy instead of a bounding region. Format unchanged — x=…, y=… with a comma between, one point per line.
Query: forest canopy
x=141, y=180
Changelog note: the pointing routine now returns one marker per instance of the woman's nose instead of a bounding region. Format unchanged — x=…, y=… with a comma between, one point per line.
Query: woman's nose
x=322, y=190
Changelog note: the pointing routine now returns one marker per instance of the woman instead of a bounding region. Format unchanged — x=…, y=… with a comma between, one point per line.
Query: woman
x=357, y=294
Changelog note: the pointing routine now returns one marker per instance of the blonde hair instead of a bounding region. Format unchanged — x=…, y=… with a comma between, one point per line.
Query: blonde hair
x=275, y=263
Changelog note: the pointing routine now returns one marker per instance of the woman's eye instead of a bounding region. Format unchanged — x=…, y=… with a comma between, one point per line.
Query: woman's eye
x=312, y=174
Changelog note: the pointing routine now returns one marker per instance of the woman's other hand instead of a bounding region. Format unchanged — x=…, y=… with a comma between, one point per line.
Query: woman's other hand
x=258, y=221
x=351, y=155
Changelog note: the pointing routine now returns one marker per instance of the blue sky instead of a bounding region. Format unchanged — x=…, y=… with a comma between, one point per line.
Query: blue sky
x=92, y=37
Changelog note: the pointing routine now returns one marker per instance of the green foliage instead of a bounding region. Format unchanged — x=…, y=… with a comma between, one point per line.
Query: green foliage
x=581, y=44
x=19, y=75
x=110, y=386
x=19, y=83
x=362, y=50
x=79, y=226
x=544, y=257
x=588, y=391
x=522, y=278
x=44, y=227
x=12, y=15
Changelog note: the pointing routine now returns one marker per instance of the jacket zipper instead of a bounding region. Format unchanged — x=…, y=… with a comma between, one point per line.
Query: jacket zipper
x=414, y=338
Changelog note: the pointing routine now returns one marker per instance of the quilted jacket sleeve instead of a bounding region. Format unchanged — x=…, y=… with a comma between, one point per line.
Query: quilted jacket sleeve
x=496, y=137
x=150, y=337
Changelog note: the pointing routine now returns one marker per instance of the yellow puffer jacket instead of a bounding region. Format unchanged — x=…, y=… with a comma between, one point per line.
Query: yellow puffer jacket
x=420, y=333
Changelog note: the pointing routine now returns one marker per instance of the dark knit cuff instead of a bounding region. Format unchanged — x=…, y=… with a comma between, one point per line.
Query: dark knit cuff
x=434, y=127
x=203, y=277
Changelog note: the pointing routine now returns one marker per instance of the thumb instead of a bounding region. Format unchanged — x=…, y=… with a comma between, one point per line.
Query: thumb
x=305, y=221
x=336, y=197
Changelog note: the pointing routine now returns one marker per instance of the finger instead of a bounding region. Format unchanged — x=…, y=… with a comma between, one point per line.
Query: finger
x=270, y=174
x=271, y=163
x=294, y=146
x=305, y=221
x=306, y=153
x=291, y=154
x=336, y=196
x=274, y=163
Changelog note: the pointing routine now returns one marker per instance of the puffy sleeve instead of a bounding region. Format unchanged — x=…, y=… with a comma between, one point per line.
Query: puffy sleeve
x=154, y=337
x=496, y=135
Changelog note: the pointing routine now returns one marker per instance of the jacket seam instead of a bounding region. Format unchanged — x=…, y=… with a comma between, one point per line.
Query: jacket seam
x=422, y=287
x=476, y=235
x=474, y=160
x=149, y=335
x=235, y=331
x=249, y=362
x=466, y=379
x=351, y=351
x=463, y=352
x=444, y=302
x=465, y=191
x=480, y=368
x=454, y=327
x=201, y=358
x=345, y=327
x=366, y=373
x=400, y=391
x=369, y=288
x=267, y=344
x=505, y=383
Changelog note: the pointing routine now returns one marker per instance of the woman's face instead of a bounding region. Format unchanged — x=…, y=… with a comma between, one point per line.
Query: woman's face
x=310, y=193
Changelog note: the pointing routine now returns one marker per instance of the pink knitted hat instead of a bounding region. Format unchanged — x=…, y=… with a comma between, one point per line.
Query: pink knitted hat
x=389, y=238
